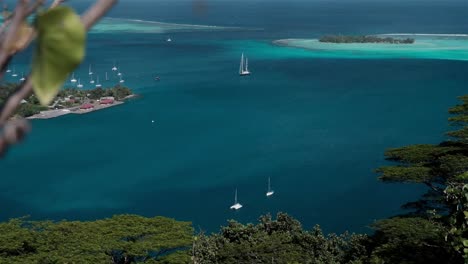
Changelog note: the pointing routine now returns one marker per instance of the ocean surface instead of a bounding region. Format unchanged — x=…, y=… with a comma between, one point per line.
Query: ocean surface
x=317, y=125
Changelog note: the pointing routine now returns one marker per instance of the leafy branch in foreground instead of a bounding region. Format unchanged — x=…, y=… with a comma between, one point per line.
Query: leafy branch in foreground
x=60, y=48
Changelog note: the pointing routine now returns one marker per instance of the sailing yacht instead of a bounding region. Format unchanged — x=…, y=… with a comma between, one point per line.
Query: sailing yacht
x=270, y=192
x=79, y=84
x=244, y=66
x=90, y=71
x=121, y=80
x=98, y=85
x=73, y=80
x=107, y=78
x=14, y=73
x=8, y=70
x=115, y=67
x=119, y=73
x=22, y=77
x=236, y=205
x=91, y=80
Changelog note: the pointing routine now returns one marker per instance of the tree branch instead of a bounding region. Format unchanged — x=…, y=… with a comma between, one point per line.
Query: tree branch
x=14, y=131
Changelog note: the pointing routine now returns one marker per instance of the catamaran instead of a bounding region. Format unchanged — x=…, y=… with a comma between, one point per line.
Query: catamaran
x=98, y=85
x=14, y=73
x=79, y=84
x=244, y=66
x=90, y=72
x=236, y=205
x=73, y=80
x=91, y=79
x=270, y=192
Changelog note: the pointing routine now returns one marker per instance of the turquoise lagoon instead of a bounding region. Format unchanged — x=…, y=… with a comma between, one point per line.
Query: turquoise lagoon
x=316, y=121
x=426, y=46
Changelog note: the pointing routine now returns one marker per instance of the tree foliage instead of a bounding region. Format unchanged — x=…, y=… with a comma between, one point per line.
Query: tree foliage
x=120, y=239
x=277, y=241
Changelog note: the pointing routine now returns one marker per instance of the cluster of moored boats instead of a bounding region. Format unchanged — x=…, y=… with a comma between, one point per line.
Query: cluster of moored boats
x=115, y=70
x=237, y=205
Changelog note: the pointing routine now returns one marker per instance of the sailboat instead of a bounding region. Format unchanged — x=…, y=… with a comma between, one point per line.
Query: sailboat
x=73, y=80
x=90, y=72
x=8, y=70
x=91, y=79
x=236, y=205
x=115, y=67
x=119, y=73
x=244, y=66
x=98, y=85
x=14, y=73
x=107, y=78
x=270, y=192
x=121, y=80
x=22, y=77
x=79, y=84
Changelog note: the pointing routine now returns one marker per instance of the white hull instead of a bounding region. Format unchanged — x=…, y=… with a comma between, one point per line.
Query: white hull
x=244, y=73
x=270, y=193
x=236, y=206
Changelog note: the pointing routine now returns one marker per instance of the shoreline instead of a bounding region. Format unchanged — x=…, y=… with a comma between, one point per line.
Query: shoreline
x=49, y=114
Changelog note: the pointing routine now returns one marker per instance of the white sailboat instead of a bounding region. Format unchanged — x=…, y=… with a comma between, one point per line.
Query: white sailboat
x=119, y=73
x=270, y=192
x=244, y=66
x=22, y=77
x=14, y=73
x=73, y=80
x=98, y=85
x=169, y=40
x=121, y=80
x=236, y=205
x=79, y=84
x=107, y=77
x=115, y=67
x=90, y=72
x=91, y=80
x=8, y=70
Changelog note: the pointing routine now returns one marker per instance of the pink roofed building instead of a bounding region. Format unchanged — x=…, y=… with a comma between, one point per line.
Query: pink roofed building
x=86, y=106
x=106, y=101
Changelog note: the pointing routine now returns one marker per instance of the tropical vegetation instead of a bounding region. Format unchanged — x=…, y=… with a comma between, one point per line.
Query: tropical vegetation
x=364, y=39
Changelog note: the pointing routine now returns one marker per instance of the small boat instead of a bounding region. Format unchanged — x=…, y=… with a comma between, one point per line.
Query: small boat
x=14, y=73
x=79, y=84
x=157, y=78
x=8, y=70
x=270, y=192
x=244, y=66
x=121, y=80
x=119, y=73
x=91, y=80
x=236, y=205
x=90, y=72
x=98, y=85
x=169, y=40
x=115, y=67
x=22, y=77
x=73, y=80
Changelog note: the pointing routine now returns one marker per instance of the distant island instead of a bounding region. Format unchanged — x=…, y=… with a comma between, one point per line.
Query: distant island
x=364, y=39
x=69, y=100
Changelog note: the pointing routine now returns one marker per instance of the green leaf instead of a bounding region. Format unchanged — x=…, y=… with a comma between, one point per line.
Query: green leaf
x=60, y=49
x=465, y=243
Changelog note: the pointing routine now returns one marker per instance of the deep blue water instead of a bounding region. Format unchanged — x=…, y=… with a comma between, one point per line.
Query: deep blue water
x=317, y=127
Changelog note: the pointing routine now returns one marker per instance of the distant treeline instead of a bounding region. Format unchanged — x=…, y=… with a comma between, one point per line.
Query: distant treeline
x=364, y=39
